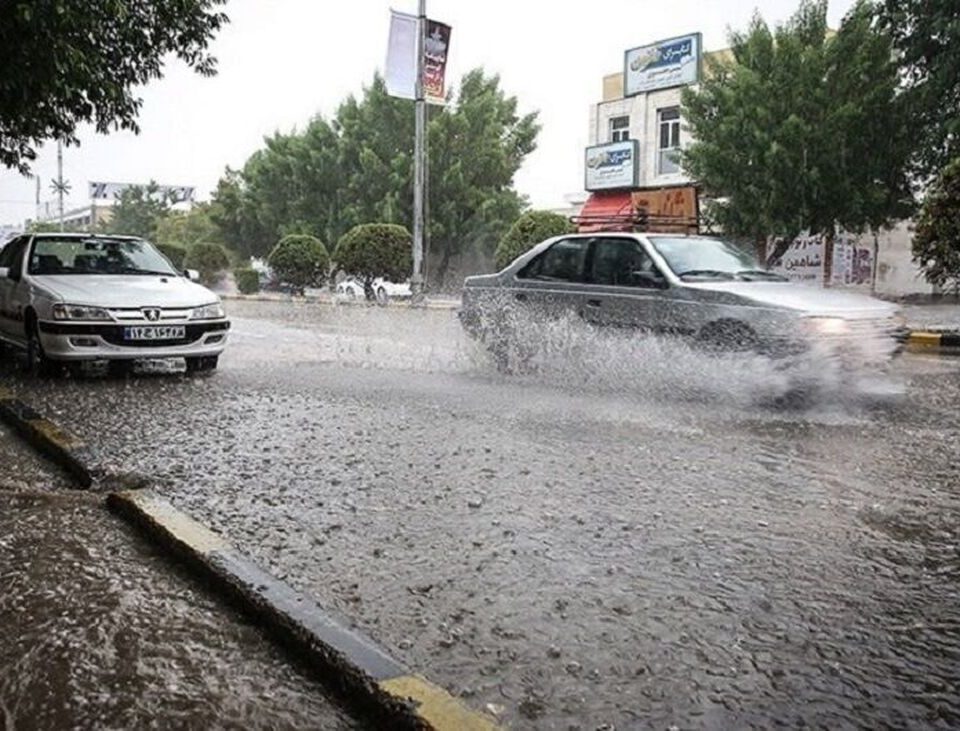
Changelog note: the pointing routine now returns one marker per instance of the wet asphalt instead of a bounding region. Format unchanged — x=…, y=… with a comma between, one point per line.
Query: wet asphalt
x=635, y=536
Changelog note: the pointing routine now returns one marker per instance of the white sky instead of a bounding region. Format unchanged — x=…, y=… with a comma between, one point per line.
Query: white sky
x=282, y=61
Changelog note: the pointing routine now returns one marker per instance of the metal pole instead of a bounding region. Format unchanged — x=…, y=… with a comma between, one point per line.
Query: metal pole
x=60, y=180
x=419, y=149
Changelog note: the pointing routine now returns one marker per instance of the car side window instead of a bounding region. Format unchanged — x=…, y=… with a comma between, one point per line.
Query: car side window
x=623, y=263
x=561, y=262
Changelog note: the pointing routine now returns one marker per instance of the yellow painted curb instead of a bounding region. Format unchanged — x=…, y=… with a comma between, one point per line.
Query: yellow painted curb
x=925, y=339
x=180, y=526
x=434, y=706
x=52, y=433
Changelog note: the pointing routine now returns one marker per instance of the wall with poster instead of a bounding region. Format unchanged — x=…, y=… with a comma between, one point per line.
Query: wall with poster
x=803, y=261
x=852, y=263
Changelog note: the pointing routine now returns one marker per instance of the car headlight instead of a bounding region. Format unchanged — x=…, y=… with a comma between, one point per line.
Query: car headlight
x=207, y=312
x=825, y=325
x=79, y=312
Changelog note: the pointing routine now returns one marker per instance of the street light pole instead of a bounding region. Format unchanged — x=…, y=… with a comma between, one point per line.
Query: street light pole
x=419, y=159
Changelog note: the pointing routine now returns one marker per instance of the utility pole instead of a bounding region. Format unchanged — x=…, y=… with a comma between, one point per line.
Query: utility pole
x=60, y=181
x=60, y=186
x=419, y=159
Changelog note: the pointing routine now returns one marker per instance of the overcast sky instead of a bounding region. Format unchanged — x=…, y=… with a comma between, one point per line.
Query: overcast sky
x=282, y=61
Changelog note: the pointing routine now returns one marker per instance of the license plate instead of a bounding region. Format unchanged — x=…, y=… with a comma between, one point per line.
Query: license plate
x=155, y=332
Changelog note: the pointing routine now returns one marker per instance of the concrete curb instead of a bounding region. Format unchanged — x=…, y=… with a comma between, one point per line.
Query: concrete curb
x=71, y=453
x=945, y=340
x=354, y=664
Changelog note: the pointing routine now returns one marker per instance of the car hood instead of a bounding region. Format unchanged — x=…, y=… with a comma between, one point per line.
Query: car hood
x=119, y=290
x=802, y=298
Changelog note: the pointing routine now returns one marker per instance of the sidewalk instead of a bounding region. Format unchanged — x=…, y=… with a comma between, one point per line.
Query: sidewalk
x=102, y=631
x=933, y=317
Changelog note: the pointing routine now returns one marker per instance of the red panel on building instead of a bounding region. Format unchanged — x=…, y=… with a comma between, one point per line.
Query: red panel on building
x=606, y=212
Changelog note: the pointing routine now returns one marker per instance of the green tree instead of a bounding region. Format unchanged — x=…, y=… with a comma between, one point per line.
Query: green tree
x=373, y=250
x=926, y=33
x=138, y=211
x=476, y=149
x=801, y=129
x=528, y=231
x=66, y=63
x=359, y=167
x=209, y=259
x=183, y=229
x=301, y=261
x=936, y=243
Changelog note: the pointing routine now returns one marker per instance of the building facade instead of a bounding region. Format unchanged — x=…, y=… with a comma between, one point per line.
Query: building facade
x=631, y=168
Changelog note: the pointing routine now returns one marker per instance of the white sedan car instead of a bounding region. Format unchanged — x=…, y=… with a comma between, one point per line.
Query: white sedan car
x=73, y=297
x=383, y=289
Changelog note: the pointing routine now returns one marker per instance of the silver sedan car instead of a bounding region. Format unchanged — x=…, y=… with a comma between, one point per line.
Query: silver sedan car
x=704, y=288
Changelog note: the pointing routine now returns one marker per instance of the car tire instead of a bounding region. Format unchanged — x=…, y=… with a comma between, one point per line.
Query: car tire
x=38, y=364
x=202, y=364
x=382, y=296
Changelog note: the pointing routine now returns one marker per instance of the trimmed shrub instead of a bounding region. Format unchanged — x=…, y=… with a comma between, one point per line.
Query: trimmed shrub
x=300, y=261
x=373, y=250
x=209, y=259
x=248, y=281
x=175, y=253
x=528, y=231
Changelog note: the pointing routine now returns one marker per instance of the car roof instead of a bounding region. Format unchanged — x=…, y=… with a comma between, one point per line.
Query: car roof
x=81, y=235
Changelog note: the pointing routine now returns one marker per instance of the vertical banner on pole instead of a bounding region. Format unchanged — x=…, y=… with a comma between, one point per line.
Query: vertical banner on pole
x=436, y=48
x=401, y=71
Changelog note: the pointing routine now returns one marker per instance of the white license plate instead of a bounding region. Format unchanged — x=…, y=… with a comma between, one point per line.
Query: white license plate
x=155, y=332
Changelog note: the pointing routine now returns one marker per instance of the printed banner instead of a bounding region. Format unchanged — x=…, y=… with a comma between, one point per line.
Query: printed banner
x=401, y=69
x=436, y=47
x=611, y=166
x=673, y=62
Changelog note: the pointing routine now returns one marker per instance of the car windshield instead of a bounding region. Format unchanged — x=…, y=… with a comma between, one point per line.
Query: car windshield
x=709, y=259
x=97, y=255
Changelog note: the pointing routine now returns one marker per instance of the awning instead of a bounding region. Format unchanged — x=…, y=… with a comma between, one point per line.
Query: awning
x=606, y=212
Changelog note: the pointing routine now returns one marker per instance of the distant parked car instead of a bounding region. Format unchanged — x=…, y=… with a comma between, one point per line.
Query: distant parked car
x=383, y=290
x=703, y=288
x=74, y=297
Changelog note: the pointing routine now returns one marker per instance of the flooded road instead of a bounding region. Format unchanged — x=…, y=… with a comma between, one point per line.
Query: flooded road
x=631, y=537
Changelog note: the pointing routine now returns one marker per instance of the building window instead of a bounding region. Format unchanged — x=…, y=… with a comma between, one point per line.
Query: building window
x=668, y=143
x=619, y=129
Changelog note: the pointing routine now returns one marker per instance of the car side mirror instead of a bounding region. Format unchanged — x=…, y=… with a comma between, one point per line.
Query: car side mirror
x=648, y=279
x=192, y=274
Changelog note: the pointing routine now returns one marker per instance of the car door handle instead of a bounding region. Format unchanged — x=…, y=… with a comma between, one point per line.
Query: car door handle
x=594, y=303
x=520, y=297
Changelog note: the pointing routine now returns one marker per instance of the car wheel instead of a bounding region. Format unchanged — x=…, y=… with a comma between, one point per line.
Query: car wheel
x=727, y=336
x=38, y=363
x=382, y=296
x=202, y=364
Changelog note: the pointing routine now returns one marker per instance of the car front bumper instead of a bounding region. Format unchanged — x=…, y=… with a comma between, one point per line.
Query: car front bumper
x=94, y=341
